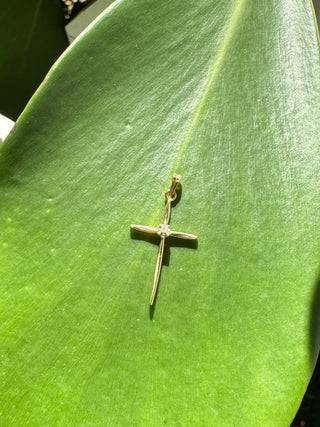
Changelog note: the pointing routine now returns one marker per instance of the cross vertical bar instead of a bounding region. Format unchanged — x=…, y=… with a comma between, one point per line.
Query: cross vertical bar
x=157, y=270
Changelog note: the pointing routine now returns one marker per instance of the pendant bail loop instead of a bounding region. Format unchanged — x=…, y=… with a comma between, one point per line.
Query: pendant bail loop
x=171, y=194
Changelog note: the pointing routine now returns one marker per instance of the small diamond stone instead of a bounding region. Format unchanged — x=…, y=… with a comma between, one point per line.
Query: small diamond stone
x=164, y=230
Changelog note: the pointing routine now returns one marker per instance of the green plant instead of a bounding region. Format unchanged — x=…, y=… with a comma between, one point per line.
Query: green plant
x=32, y=37
x=227, y=94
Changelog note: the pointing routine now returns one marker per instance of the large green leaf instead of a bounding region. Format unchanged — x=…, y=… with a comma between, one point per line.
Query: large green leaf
x=227, y=94
x=32, y=37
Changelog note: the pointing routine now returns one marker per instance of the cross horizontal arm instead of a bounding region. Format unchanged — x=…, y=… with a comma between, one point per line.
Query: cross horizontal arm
x=181, y=235
x=144, y=228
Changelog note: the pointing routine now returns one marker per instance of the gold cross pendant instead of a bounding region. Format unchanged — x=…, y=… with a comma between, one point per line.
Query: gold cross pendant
x=164, y=231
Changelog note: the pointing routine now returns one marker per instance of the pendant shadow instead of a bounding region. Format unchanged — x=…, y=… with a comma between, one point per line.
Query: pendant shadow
x=169, y=243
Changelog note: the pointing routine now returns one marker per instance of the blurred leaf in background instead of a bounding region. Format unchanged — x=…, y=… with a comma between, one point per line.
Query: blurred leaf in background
x=32, y=37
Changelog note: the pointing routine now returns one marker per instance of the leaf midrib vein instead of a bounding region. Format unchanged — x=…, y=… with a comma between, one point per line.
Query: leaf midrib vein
x=214, y=70
x=213, y=74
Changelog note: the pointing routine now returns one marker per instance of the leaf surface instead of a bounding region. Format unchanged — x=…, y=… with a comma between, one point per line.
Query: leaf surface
x=226, y=94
